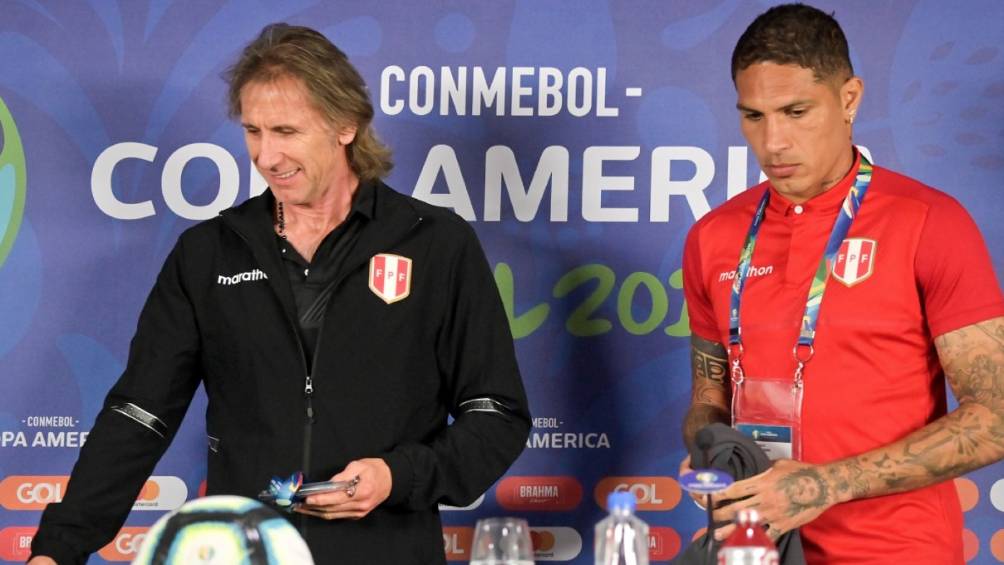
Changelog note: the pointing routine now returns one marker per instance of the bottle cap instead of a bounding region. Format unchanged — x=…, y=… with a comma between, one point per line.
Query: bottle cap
x=619, y=500
x=748, y=516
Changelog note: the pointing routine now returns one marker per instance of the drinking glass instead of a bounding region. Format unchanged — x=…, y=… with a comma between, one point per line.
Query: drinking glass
x=502, y=541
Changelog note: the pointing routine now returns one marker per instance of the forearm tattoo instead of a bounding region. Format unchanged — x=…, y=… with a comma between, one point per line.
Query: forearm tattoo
x=710, y=388
x=966, y=439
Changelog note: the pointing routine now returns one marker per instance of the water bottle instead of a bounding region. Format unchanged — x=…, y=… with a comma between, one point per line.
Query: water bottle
x=748, y=544
x=621, y=537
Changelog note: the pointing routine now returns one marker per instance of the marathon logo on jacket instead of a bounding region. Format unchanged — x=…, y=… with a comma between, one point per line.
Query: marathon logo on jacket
x=855, y=260
x=247, y=276
x=390, y=277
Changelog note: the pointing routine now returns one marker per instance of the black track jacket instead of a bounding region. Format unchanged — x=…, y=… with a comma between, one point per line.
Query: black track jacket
x=385, y=378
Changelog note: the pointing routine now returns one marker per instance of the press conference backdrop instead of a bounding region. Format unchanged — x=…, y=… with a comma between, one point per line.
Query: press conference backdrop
x=580, y=138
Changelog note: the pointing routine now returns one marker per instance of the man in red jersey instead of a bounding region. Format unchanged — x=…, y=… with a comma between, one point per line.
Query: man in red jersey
x=828, y=308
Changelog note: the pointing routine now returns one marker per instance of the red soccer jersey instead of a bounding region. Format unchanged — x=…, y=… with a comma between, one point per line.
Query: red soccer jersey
x=913, y=266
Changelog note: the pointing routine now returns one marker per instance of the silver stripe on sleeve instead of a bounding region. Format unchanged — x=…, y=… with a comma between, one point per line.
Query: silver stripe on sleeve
x=142, y=417
x=485, y=404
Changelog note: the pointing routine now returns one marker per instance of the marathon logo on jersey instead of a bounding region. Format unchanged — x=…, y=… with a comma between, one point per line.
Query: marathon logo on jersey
x=390, y=277
x=855, y=260
x=247, y=276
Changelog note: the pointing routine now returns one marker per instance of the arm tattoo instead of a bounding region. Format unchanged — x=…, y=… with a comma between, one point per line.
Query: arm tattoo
x=968, y=438
x=805, y=490
x=710, y=390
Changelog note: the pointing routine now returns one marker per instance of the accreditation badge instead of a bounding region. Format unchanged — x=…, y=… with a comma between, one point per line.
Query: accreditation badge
x=769, y=411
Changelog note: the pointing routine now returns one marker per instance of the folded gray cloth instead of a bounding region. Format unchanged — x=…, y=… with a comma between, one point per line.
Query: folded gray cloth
x=740, y=457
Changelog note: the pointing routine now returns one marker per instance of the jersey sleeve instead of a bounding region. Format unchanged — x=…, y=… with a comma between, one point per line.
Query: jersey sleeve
x=699, y=307
x=483, y=388
x=955, y=273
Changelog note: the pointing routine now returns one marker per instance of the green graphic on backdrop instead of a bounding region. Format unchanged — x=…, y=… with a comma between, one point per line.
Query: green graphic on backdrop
x=12, y=182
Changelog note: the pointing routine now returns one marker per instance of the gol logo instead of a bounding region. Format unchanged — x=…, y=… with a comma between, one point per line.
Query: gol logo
x=12, y=182
x=457, y=543
x=651, y=493
x=24, y=492
x=539, y=493
x=125, y=545
x=663, y=543
x=15, y=543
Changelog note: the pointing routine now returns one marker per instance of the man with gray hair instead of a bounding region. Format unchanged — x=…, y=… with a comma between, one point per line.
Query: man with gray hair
x=336, y=326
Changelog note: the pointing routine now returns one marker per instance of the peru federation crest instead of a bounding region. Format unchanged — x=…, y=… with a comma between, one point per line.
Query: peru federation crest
x=390, y=277
x=855, y=260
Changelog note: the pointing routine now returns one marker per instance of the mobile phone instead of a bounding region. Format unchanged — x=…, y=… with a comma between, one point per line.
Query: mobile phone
x=321, y=487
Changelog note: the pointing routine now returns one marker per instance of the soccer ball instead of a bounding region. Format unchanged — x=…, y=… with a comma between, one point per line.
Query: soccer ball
x=222, y=530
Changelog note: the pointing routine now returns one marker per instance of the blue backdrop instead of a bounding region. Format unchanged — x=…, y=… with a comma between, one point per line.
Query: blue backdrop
x=582, y=138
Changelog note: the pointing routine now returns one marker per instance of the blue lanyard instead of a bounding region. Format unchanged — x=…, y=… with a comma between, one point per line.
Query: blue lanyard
x=842, y=225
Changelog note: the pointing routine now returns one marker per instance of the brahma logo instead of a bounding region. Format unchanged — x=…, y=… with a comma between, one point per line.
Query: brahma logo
x=12, y=182
x=24, y=492
x=663, y=543
x=15, y=543
x=457, y=543
x=555, y=544
x=553, y=494
x=125, y=545
x=650, y=493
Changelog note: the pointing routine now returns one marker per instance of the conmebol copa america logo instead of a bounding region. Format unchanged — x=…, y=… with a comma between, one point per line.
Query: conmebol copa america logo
x=12, y=182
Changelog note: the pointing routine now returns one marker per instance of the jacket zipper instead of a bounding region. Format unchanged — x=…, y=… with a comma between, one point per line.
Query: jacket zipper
x=308, y=384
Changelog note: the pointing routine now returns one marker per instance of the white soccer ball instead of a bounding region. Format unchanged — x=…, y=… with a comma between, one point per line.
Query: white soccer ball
x=223, y=530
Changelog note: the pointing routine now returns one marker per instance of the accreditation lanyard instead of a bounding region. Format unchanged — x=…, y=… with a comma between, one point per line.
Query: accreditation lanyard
x=807, y=335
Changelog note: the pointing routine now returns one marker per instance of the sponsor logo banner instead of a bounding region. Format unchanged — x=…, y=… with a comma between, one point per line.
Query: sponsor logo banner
x=125, y=545
x=552, y=494
x=663, y=543
x=651, y=493
x=15, y=543
x=25, y=492
x=457, y=542
x=555, y=543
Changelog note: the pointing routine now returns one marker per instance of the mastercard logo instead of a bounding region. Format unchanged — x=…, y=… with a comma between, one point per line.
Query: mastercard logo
x=125, y=545
x=542, y=540
x=161, y=493
x=15, y=543
x=555, y=543
x=539, y=493
x=150, y=492
x=650, y=493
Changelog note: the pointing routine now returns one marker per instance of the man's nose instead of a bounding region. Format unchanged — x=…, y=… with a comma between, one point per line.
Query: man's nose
x=775, y=133
x=269, y=152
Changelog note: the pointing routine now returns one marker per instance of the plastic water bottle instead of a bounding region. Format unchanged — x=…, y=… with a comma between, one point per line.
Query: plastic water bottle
x=621, y=537
x=748, y=544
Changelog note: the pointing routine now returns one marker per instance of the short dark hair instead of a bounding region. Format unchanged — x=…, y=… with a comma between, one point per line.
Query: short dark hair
x=795, y=34
x=337, y=88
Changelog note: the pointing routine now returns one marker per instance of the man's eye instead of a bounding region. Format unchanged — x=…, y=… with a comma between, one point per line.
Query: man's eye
x=796, y=113
x=752, y=117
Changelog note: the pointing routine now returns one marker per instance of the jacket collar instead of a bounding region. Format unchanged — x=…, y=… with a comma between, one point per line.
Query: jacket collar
x=392, y=217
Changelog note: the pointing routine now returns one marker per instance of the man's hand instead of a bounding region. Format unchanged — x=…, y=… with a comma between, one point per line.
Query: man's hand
x=41, y=560
x=373, y=488
x=787, y=496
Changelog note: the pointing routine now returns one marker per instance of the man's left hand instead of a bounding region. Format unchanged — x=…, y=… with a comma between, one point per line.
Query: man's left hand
x=372, y=489
x=786, y=496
